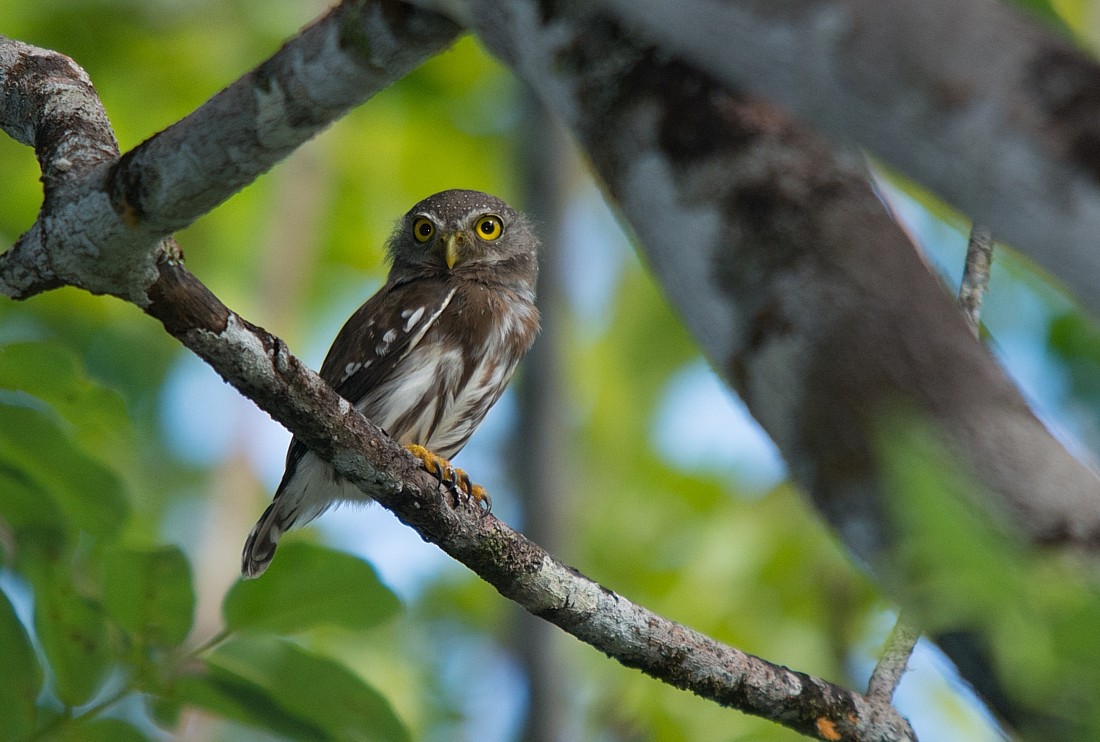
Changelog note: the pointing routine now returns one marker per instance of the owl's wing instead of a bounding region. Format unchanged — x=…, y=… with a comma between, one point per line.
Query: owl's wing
x=375, y=340
x=381, y=333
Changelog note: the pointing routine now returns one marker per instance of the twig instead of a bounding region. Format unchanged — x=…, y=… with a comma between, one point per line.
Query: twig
x=975, y=280
x=894, y=661
x=903, y=638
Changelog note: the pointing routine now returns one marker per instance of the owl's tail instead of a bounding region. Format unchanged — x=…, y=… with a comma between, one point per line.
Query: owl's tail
x=259, y=547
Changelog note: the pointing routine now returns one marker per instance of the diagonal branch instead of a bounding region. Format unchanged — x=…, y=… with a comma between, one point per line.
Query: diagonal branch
x=975, y=100
x=259, y=365
x=335, y=64
x=798, y=286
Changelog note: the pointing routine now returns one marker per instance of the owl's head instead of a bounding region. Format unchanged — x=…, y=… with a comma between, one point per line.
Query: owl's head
x=464, y=232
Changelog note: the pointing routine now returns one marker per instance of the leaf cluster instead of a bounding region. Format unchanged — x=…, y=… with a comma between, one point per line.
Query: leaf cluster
x=92, y=615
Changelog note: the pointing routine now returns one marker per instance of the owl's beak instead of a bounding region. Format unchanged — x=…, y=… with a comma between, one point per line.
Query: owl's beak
x=452, y=244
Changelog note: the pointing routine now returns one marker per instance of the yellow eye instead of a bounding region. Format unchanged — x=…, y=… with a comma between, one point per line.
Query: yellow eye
x=489, y=227
x=423, y=229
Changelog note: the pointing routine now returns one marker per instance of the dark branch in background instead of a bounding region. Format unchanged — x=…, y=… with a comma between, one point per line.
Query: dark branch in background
x=261, y=367
x=988, y=109
x=540, y=456
x=795, y=281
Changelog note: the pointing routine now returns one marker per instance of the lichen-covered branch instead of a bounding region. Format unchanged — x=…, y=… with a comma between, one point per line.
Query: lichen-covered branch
x=103, y=218
x=260, y=366
x=336, y=63
x=975, y=279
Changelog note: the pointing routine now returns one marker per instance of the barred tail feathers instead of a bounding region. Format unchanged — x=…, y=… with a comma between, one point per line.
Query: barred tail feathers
x=263, y=539
x=309, y=488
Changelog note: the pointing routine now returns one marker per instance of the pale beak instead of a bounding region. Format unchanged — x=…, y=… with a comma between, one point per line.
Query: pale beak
x=451, y=244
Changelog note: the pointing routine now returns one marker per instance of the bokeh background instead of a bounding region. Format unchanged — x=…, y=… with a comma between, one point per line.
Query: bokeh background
x=617, y=448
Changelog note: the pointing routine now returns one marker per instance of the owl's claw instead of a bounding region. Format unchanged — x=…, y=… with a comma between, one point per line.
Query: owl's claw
x=456, y=481
x=474, y=491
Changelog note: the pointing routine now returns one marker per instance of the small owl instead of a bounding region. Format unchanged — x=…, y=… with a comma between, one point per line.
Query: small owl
x=425, y=357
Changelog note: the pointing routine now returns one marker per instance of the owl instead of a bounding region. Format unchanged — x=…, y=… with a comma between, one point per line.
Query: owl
x=425, y=357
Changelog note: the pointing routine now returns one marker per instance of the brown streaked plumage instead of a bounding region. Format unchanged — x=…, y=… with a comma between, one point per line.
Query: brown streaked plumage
x=427, y=355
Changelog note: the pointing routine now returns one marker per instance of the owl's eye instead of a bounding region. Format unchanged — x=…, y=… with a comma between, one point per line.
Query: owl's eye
x=489, y=227
x=423, y=229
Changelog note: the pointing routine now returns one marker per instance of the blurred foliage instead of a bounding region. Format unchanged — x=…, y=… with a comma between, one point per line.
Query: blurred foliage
x=963, y=574
x=119, y=615
x=1075, y=337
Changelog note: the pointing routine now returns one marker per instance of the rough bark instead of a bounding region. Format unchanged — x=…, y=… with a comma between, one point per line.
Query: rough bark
x=103, y=216
x=792, y=276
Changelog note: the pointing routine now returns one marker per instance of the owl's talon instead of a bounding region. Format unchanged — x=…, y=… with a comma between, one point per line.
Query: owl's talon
x=455, y=480
x=475, y=492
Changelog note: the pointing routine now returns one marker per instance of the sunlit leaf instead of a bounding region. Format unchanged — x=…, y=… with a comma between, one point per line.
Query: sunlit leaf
x=1063, y=15
x=963, y=572
x=22, y=675
x=309, y=687
x=35, y=448
x=308, y=586
x=52, y=373
x=149, y=592
x=948, y=549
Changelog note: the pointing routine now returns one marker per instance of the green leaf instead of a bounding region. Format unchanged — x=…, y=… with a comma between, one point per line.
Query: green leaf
x=24, y=504
x=73, y=634
x=948, y=550
x=53, y=374
x=100, y=730
x=230, y=697
x=22, y=675
x=34, y=449
x=316, y=689
x=308, y=586
x=149, y=592
x=964, y=571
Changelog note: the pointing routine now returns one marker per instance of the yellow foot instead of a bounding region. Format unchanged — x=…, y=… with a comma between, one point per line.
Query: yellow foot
x=455, y=480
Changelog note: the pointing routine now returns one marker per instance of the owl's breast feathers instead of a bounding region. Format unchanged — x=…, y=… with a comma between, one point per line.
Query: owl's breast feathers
x=459, y=358
x=426, y=358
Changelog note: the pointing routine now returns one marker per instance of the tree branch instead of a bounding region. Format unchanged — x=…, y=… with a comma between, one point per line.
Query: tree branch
x=975, y=279
x=985, y=107
x=105, y=217
x=259, y=365
x=796, y=283
x=336, y=63
x=792, y=276
x=895, y=658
